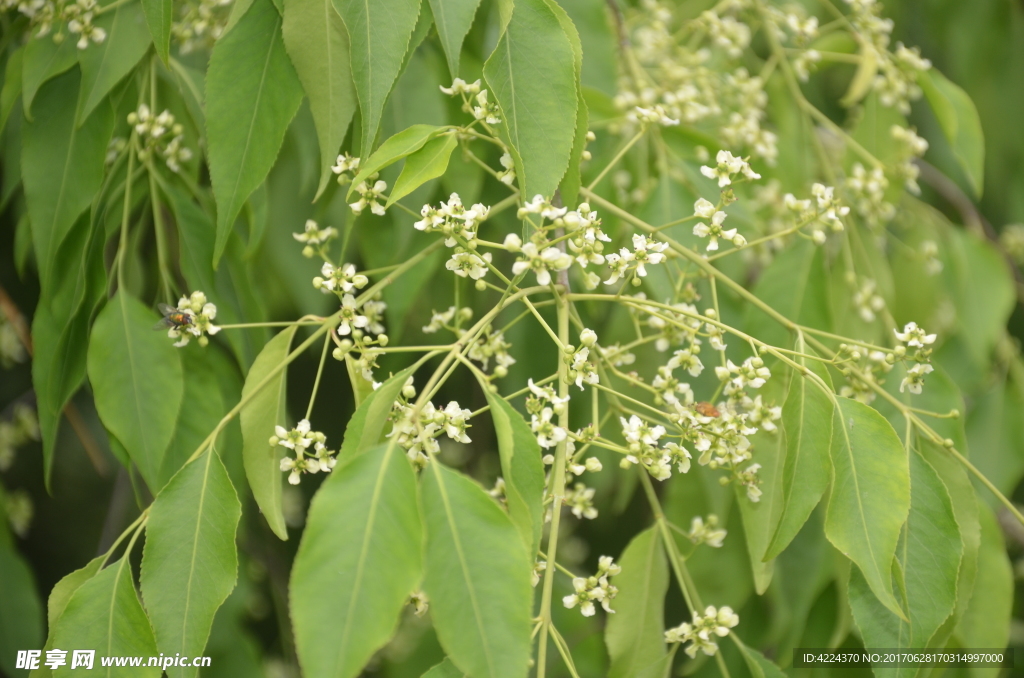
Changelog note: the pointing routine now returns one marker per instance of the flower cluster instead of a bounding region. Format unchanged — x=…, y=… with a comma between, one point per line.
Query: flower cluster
x=704, y=631
x=193, y=318
x=416, y=431
x=868, y=188
x=11, y=349
x=21, y=428
x=454, y=220
x=43, y=15
x=200, y=23
x=896, y=79
x=594, y=589
x=915, y=348
x=153, y=131
x=341, y=280
x=474, y=100
x=298, y=440
x=726, y=169
x=706, y=532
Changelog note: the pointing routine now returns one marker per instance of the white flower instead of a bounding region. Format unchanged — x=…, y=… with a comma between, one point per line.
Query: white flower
x=345, y=163
x=647, y=252
x=728, y=165
x=460, y=86
x=350, y=318
x=314, y=235
x=714, y=231
x=370, y=196
x=915, y=336
x=508, y=175
x=339, y=279
x=542, y=262
x=542, y=206
x=513, y=243
x=914, y=381
x=548, y=434
x=547, y=394
x=468, y=263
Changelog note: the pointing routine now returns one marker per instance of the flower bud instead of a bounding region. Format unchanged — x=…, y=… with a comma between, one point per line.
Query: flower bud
x=382, y=340
x=133, y=118
x=338, y=354
x=274, y=440
x=710, y=313
x=203, y=340
x=625, y=463
x=357, y=334
x=588, y=337
x=593, y=464
x=568, y=349
x=513, y=243
x=480, y=285
x=636, y=282
x=308, y=252
x=500, y=371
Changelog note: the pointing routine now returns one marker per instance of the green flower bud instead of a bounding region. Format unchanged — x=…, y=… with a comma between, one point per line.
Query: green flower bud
x=382, y=340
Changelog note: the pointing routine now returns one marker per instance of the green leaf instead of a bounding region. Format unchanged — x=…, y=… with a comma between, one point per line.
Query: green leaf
x=12, y=85
x=189, y=563
x=360, y=557
x=404, y=143
x=318, y=44
x=986, y=621
x=104, y=65
x=796, y=285
x=635, y=634
x=960, y=122
x=380, y=33
x=21, y=612
x=965, y=509
x=137, y=382
x=521, y=468
x=761, y=517
x=202, y=407
x=929, y=557
x=870, y=496
x=160, y=16
x=983, y=293
x=807, y=420
x=62, y=165
x=532, y=77
x=44, y=59
x=260, y=415
x=252, y=94
x=366, y=426
x=445, y=669
x=453, y=19
x=60, y=329
x=428, y=163
x=758, y=665
x=104, y=614
x=66, y=587
x=477, y=577
x=572, y=180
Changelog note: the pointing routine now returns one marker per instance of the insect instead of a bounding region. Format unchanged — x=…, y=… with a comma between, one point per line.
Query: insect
x=706, y=409
x=173, y=318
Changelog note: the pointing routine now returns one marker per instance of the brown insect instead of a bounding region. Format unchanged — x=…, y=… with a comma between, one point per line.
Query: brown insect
x=173, y=318
x=707, y=409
